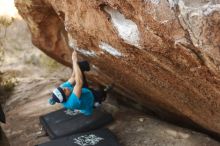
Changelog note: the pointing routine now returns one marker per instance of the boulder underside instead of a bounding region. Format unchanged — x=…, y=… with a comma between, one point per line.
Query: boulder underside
x=164, y=54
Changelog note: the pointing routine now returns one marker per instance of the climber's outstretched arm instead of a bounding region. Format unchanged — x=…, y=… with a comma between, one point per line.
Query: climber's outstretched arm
x=72, y=78
x=78, y=76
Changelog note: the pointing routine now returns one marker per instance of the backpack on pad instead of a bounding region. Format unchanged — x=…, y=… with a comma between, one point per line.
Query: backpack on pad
x=102, y=137
x=66, y=122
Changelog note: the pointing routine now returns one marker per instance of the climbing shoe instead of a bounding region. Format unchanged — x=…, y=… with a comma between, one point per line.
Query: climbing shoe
x=84, y=66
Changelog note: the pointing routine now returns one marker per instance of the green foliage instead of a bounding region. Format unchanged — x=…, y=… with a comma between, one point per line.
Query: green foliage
x=7, y=85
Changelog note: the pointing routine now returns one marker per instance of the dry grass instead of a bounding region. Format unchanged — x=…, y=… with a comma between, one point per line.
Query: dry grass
x=6, y=21
x=7, y=85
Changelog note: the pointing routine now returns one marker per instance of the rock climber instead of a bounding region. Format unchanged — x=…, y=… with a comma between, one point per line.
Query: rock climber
x=75, y=94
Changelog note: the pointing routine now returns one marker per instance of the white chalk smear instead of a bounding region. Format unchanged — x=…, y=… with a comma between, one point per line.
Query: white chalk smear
x=203, y=10
x=108, y=48
x=95, y=67
x=126, y=28
x=73, y=44
x=86, y=52
x=209, y=9
x=153, y=1
x=173, y=3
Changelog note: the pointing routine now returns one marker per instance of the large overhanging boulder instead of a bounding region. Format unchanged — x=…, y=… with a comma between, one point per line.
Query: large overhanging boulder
x=164, y=54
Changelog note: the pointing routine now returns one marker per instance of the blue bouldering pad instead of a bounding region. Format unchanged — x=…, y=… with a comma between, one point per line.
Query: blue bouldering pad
x=66, y=122
x=102, y=137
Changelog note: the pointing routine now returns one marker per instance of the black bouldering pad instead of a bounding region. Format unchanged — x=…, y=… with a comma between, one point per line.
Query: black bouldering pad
x=65, y=122
x=102, y=137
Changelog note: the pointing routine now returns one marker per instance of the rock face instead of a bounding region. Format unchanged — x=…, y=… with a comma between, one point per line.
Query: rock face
x=164, y=54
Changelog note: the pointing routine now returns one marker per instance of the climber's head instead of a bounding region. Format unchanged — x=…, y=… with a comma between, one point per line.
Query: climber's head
x=59, y=95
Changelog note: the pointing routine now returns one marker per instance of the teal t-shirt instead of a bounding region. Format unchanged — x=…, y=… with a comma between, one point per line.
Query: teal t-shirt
x=84, y=104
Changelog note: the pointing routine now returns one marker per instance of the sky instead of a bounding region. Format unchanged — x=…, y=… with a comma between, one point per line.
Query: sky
x=7, y=8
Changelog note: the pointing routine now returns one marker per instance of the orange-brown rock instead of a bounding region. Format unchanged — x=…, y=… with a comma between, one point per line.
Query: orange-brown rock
x=164, y=54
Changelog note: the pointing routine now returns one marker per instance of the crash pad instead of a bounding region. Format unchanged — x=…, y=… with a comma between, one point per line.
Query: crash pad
x=66, y=122
x=101, y=137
